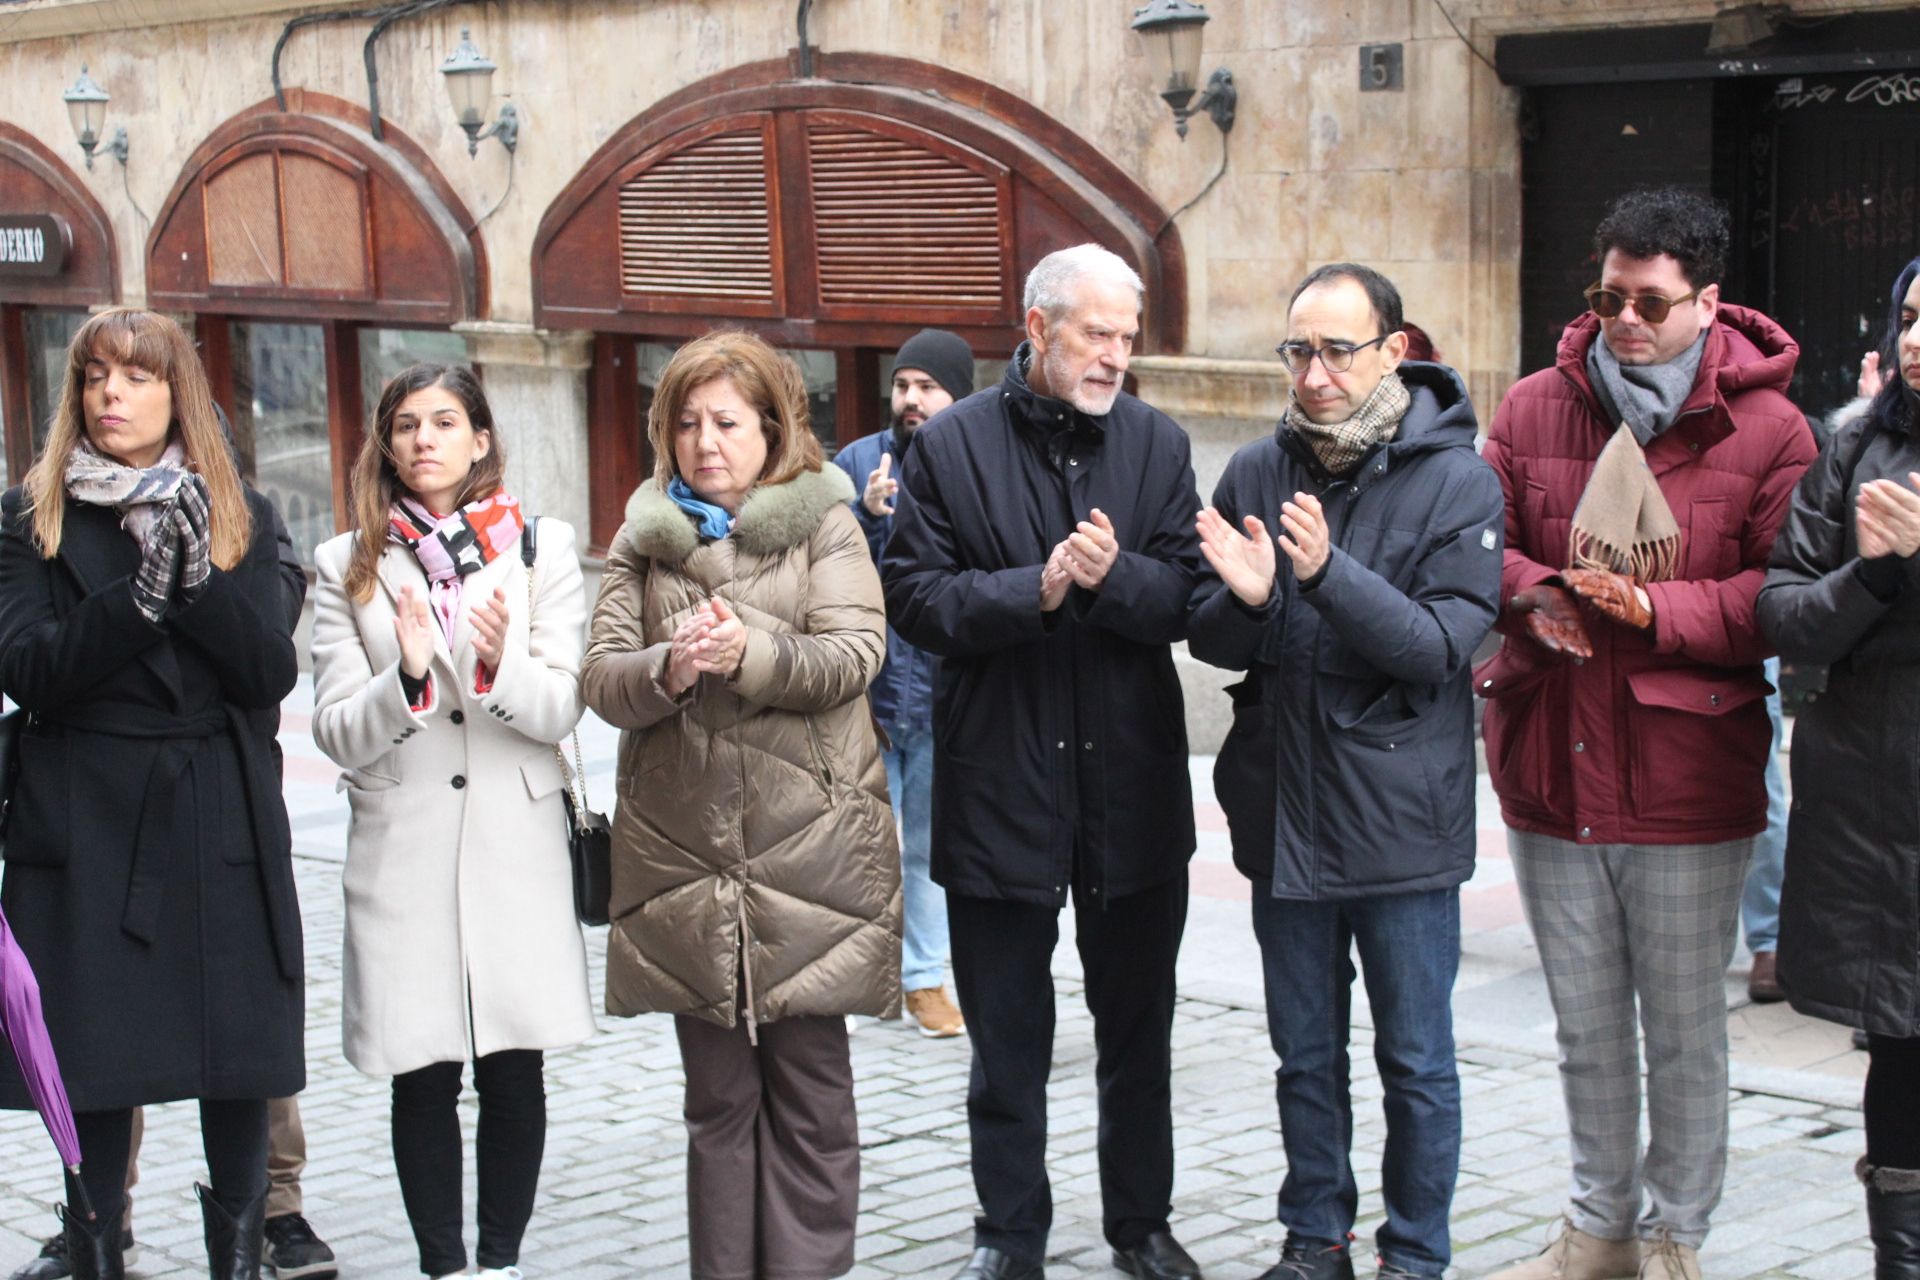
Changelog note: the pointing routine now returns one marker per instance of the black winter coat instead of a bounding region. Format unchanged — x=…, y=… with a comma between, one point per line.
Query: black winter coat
x=1850, y=904
x=1058, y=737
x=149, y=873
x=1350, y=766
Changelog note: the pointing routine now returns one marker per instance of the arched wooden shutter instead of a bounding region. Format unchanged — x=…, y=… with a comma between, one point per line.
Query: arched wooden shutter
x=897, y=223
x=697, y=227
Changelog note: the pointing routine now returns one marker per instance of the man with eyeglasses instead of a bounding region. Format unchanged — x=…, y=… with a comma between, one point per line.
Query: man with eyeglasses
x=1626, y=727
x=1347, y=779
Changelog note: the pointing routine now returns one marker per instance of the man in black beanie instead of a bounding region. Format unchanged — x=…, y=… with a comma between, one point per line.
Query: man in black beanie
x=932, y=370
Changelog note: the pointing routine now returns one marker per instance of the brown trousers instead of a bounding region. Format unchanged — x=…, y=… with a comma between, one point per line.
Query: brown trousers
x=286, y=1157
x=773, y=1149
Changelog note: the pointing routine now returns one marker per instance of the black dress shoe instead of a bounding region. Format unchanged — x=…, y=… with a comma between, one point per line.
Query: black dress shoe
x=992, y=1264
x=1158, y=1257
x=1303, y=1260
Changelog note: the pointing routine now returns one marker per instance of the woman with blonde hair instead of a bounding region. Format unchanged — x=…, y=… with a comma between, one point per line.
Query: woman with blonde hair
x=149, y=871
x=756, y=878
x=447, y=635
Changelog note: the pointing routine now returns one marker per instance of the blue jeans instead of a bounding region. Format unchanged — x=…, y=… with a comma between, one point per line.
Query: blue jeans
x=1409, y=953
x=923, y=952
x=1760, y=904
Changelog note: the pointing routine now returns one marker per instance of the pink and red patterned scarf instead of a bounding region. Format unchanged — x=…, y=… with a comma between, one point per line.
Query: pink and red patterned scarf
x=451, y=547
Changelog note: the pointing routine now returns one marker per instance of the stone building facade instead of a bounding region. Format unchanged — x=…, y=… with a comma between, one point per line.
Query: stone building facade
x=315, y=256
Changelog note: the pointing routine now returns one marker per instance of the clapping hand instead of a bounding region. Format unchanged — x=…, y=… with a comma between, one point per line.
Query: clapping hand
x=720, y=650
x=413, y=628
x=1245, y=564
x=878, y=498
x=1307, y=540
x=1090, y=550
x=681, y=672
x=490, y=630
x=1553, y=620
x=1054, y=580
x=1613, y=594
x=1887, y=518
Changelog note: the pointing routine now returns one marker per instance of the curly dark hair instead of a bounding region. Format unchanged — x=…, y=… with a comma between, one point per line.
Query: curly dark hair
x=1691, y=228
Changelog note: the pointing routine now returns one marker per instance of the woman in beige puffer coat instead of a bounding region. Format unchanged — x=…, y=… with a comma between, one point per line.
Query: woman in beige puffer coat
x=756, y=882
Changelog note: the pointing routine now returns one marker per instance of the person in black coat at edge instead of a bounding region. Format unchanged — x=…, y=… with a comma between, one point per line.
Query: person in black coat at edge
x=1043, y=548
x=149, y=878
x=1843, y=588
x=1347, y=778
x=293, y=1251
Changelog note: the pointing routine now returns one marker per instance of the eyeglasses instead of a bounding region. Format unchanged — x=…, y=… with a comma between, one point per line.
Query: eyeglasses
x=1335, y=357
x=1650, y=307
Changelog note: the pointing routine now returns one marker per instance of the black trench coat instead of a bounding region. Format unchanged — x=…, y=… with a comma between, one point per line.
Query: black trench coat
x=1850, y=904
x=148, y=862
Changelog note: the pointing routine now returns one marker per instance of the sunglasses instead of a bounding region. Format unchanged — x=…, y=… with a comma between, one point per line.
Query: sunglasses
x=1650, y=307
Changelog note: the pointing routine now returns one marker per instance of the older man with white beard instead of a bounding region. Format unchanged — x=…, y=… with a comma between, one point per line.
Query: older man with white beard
x=1043, y=546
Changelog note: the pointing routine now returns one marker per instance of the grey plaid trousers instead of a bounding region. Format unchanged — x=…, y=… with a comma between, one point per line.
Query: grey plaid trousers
x=1653, y=925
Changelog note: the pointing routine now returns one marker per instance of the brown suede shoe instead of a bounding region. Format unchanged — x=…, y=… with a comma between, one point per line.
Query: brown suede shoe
x=937, y=1016
x=1763, y=984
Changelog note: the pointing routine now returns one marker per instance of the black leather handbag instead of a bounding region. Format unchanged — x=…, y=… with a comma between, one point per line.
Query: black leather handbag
x=589, y=836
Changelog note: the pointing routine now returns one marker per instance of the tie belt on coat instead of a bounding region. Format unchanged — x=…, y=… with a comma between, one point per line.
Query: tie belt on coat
x=177, y=735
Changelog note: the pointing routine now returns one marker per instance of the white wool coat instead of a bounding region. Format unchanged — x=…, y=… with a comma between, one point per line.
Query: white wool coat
x=458, y=888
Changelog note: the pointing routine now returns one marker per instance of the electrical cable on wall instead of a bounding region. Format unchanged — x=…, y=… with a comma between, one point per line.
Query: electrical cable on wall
x=1471, y=46
x=1211, y=183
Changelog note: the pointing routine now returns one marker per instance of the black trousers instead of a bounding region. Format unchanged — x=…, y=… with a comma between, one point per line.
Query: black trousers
x=1892, y=1106
x=1001, y=965
x=233, y=1134
x=511, y=1138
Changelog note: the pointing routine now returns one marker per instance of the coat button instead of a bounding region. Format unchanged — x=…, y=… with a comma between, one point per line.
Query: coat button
x=1579, y=746
x=1713, y=699
x=1586, y=833
x=458, y=717
x=1694, y=445
x=459, y=781
x=1486, y=684
x=1086, y=746
x=1061, y=745
x=1579, y=662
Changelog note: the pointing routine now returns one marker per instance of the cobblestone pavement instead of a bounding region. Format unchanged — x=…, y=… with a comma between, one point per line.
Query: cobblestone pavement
x=611, y=1199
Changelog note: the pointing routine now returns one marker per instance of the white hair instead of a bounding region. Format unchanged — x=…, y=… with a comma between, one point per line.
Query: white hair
x=1052, y=284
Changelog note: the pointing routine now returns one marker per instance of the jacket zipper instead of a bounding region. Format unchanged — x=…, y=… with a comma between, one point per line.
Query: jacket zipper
x=819, y=755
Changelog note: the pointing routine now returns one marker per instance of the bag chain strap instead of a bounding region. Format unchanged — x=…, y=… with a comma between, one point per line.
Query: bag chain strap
x=576, y=776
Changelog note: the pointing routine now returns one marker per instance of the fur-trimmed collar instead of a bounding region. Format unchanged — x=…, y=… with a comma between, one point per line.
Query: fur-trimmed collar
x=772, y=519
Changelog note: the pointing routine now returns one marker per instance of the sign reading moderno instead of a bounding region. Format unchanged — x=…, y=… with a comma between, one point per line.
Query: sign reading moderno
x=33, y=246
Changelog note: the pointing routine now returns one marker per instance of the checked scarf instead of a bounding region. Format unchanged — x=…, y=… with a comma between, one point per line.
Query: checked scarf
x=451, y=547
x=1341, y=445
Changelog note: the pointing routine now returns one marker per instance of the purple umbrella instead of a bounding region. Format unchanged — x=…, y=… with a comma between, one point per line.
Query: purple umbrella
x=25, y=1026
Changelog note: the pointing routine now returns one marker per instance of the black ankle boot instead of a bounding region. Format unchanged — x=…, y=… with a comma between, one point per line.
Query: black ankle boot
x=1893, y=1220
x=233, y=1240
x=93, y=1248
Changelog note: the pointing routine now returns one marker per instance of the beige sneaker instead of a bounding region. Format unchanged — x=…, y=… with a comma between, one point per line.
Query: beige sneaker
x=1575, y=1255
x=1668, y=1259
x=935, y=1013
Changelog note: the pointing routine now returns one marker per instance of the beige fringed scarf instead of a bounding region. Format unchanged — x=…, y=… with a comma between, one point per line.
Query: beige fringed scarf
x=1623, y=523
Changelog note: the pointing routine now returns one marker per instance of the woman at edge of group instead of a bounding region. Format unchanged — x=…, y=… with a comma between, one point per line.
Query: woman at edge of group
x=149, y=872
x=756, y=878
x=1843, y=588
x=431, y=672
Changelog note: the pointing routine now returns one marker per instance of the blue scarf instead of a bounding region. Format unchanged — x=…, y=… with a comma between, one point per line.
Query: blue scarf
x=714, y=522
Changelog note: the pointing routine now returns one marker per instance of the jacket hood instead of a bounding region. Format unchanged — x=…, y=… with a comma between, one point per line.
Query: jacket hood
x=1746, y=351
x=774, y=517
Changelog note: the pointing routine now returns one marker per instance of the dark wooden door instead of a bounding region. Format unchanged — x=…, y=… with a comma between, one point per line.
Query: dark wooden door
x=1841, y=155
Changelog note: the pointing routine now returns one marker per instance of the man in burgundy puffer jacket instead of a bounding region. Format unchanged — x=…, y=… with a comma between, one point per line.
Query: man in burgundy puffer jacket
x=1626, y=726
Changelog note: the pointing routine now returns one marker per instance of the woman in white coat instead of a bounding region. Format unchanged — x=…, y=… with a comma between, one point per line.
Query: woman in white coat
x=442, y=683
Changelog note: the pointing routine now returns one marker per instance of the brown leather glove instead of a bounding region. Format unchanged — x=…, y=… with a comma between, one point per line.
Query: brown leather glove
x=1613, y=594
x=1553, y=620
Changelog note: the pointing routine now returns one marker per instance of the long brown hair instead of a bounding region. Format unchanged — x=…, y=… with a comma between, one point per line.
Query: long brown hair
x=376, y=478
x=146, y=340
x=770, y=382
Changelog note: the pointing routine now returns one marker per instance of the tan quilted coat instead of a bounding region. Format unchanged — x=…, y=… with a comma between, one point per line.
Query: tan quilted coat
x=753, y=847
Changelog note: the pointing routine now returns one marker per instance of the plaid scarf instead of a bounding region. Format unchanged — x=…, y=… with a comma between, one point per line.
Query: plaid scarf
x=1623, y=523
x=451, y=547
x=1341, y=445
